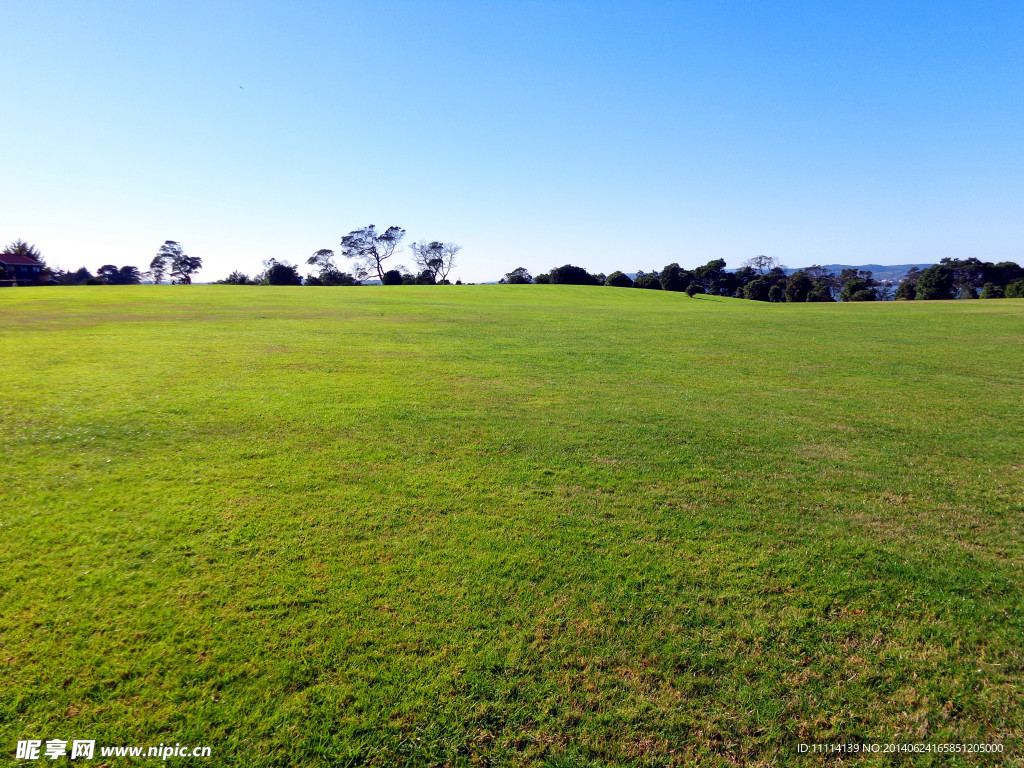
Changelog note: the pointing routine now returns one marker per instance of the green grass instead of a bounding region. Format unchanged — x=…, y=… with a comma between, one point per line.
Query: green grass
x=509, y=525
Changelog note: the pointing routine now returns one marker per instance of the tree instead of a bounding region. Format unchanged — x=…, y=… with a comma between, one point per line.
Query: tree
x=171, y=258
x=518, y=276
x=435, y=257
x=111, y=275
x=907, y=290
x=820, y=291
x=370, y=250
x=236, y=278
x=1015, y=290
x=1003, y=273
x=966, y=272
x=991, y=291
x=857, y=289
x=798, y=285
x=715, y=279
x=392, y=277
x=572, y=275
x=543, y=278
x=936, y=282
x=775, y=294
x=857, y=281
x=757, y=289
x=650, y=282
x=81, y=276
x=158, y=267
x=20, y=248
x=279, y=273
x=619, y=280
x=762, y=265
x=674, y=278
x=967, y=291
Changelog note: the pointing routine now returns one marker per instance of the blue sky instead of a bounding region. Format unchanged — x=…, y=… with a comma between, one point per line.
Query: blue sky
x=605, y=134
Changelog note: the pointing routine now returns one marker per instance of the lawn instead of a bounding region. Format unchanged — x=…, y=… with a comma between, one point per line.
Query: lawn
x=510, y=525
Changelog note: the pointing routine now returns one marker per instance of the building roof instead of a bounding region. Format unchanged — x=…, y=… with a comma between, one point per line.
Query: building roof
x=18, y=259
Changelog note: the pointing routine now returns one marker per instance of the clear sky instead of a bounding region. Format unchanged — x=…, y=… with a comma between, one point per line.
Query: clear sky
x=611, y=135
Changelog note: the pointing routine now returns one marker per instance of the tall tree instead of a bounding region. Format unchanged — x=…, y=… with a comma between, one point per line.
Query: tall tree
x=370, y=250
x=20, y=248
x=158, y=266
x=171, y=258
x=936, y=282
x=798, y=285
x=714, y=278
x=674, y=278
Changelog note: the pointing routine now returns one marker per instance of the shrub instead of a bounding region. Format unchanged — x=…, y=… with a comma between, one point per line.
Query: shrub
x=776, y=294
x=392, y=277
x=694, y=288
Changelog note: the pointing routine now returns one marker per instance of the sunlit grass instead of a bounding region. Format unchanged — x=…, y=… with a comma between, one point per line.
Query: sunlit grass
x=520, y=524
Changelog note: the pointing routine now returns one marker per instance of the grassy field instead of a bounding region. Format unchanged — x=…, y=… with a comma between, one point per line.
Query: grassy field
x=509, y=525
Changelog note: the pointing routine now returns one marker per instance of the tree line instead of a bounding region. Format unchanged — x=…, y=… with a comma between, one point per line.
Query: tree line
x=761, y=278
x=367, y=250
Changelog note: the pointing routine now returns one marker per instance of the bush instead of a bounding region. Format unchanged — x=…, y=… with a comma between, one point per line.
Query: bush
x=967, y=292
x=543, y=279
x=392, y=277
x=693, y=289
x=776, y=294
x=619, y=280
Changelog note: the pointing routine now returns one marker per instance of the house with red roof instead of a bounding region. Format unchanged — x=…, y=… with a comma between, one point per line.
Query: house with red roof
x=19, y=270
